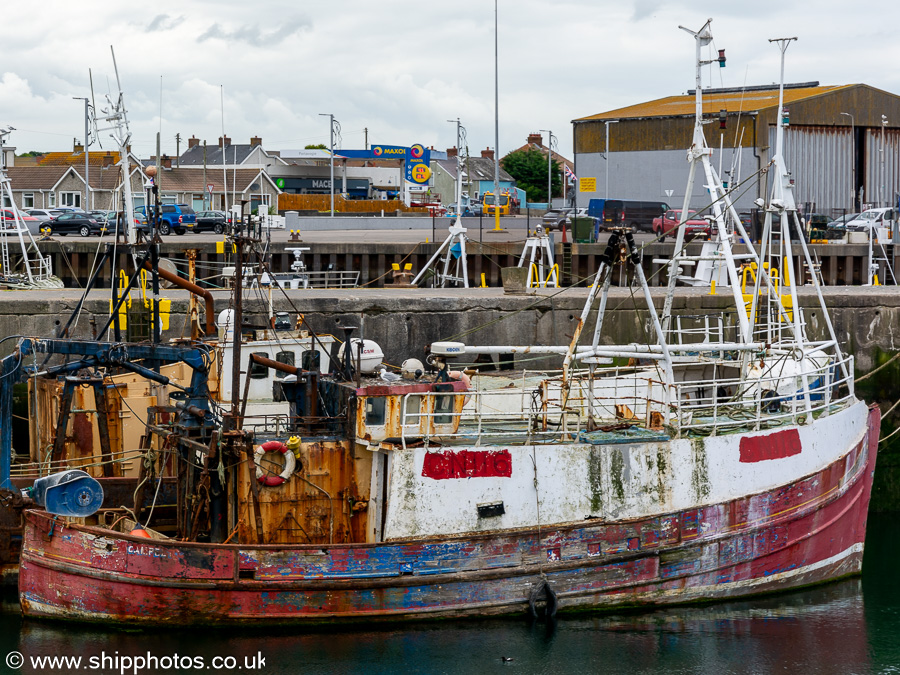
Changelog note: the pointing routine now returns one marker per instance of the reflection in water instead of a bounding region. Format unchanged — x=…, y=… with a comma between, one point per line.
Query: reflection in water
x=829, y=629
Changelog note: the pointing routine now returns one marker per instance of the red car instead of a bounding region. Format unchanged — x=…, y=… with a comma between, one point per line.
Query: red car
x=666, y=224
x=32, y=223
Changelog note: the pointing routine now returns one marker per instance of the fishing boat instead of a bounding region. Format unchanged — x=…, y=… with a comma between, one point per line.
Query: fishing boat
x=727, y=456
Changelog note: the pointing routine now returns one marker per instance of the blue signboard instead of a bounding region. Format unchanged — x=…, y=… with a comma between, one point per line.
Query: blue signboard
x=416, y=159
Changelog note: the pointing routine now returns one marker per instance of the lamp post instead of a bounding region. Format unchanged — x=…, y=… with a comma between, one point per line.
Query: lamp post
x=550, y=138
x=884, y=121
x=331, y=123
x=606, y=156
x=87, y=185
x=496, y=124
x=852, y=161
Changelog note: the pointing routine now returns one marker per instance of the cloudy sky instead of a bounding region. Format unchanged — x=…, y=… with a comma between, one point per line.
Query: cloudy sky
x=401, y=69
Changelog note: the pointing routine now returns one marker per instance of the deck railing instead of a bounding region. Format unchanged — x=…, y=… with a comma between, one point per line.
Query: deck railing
x=639, y=398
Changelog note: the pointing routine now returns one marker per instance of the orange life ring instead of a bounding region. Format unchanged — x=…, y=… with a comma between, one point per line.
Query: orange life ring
x=265, y=477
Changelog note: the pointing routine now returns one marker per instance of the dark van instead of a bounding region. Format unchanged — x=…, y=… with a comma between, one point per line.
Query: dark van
x=637, y=215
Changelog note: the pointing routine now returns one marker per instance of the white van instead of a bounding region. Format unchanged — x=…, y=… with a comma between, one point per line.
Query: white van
x=872, y=218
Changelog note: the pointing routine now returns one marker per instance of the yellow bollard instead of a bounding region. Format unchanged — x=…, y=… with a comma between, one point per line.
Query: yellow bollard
x=712, y=287
x=483, y=280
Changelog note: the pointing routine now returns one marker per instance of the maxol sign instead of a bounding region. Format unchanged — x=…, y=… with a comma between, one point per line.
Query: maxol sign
x=416, y=159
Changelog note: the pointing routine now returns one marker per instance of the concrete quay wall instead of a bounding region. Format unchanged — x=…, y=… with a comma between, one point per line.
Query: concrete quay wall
x=403, y=321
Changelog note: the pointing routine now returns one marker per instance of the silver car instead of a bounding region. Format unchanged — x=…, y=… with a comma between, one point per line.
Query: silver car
x=43, y=215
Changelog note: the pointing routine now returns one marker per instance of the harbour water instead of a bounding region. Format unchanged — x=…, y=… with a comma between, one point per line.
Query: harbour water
x=851, y=626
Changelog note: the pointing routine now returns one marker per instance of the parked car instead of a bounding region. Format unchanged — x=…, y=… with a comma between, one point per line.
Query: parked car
x=43, y=215
x=870, y=219
x=468, y=212
x=80, y=223
x=217, y=221
x=637, y=215
x=667, y=224
x=842, y=221
x=554, y=219
x=177, y=218
x=32, y=223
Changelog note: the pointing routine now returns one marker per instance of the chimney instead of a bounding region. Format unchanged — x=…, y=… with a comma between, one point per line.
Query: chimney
x=78, y=146
x=166, y=162
x=227, y=141
x=107, y=159
x=487, y=153
x=535, y=138
x=451, y=152
x=192, y=141
x=255, y=140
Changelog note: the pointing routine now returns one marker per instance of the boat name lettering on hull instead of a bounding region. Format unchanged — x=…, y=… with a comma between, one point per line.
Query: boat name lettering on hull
x=467, y=464
x=146, y=550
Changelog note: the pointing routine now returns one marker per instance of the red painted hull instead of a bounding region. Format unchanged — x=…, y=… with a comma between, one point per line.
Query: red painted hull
x=807, y=532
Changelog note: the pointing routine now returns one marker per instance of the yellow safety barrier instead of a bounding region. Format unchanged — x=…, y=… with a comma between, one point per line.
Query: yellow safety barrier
x=126, y=304
x=165, y=305
x=220, y=247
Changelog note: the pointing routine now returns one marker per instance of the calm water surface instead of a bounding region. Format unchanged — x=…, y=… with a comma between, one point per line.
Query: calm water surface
x=851, y=626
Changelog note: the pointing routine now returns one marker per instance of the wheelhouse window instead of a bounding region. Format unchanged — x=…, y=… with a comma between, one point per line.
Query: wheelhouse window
x=311, y=360
x=375, y=407
x=259, y=371
x=443, y=406
x=286, y=358
x=413, y=409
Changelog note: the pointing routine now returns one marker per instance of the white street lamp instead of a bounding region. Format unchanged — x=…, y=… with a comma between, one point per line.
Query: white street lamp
x=331, y=128
x=550, y=139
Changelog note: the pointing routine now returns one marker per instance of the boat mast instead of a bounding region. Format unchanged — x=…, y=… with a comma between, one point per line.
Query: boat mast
x=783, y=203
x=44, y=275
x=699, y=153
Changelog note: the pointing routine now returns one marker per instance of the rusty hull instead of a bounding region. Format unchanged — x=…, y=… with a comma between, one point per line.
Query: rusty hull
x=806, y=532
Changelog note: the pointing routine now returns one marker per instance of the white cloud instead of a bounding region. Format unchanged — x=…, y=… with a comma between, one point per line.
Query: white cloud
x=400, y=69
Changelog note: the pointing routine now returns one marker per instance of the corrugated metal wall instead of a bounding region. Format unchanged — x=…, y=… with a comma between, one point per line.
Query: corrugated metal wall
x=819, y=161
x=882, y=183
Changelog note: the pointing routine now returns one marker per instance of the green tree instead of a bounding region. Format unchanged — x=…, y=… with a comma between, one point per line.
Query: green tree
x=317, y=146
x=529, y=168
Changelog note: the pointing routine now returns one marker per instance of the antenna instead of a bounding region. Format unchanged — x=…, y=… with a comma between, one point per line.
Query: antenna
x=116, y=68
x=94, y=108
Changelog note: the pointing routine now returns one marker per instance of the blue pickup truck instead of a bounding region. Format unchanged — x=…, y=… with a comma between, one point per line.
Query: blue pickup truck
x=177, y=218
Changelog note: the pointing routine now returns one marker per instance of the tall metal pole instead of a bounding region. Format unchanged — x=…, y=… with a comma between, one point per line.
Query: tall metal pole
x=496, y=125
x=607, y=123
x=852, y=161
x=884, y=121
x=331, y=146
x=87, y=183
x=549, y=168
x=224, y=170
